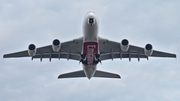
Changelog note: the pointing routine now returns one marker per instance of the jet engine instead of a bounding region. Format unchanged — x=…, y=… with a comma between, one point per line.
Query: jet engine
x=56, y=45
x=124, y=45
x=148, y=50
x=32, y=50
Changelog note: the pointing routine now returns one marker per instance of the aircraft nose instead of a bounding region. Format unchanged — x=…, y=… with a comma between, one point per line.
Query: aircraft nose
x=91, y=12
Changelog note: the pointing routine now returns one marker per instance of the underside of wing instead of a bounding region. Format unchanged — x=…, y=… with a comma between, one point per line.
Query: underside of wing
x=155, y=53
x=16, y=54
x=67, y=50
x=111, y=49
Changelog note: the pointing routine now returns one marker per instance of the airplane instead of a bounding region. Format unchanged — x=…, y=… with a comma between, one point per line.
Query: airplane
x=90, y=49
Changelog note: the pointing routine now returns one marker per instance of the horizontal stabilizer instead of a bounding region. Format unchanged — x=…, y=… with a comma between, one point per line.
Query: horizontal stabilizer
x=72, y=74
x=81, y=73
x=105, y=74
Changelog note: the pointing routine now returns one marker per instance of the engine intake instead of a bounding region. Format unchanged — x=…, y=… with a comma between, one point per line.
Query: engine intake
x=148, y=50
x=32, y=50
x=56, y=45
x=124, y=45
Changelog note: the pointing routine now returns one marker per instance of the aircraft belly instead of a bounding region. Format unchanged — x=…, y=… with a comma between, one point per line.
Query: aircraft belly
x=90, y=49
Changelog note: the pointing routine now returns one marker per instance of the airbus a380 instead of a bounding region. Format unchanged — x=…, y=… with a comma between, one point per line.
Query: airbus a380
x=90, y=50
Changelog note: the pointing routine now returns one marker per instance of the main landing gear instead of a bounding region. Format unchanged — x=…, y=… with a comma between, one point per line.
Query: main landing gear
x=84, y=59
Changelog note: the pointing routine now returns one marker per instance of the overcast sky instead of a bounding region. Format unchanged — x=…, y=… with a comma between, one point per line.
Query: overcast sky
x=41, y=21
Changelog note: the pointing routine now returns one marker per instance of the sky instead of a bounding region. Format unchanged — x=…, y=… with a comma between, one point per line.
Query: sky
x=41, y=21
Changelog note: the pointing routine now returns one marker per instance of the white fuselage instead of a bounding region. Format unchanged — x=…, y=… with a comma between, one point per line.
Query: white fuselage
x=90, y=45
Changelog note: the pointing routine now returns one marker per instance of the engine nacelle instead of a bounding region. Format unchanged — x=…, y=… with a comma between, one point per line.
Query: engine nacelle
x=56, y=45
x=124, y=45
x=32, y=50
x=148, y=50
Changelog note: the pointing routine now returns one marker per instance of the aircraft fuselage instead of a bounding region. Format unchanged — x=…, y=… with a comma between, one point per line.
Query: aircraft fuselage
x=90, y=47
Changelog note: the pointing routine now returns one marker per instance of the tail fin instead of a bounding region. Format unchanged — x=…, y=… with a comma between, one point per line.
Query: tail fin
x=105, y=74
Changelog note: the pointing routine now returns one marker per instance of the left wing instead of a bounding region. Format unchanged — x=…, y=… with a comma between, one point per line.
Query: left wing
x=110, y=50
x=68, y=50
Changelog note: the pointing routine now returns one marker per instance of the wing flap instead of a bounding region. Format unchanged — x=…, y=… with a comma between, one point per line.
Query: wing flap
x=58, y=55
x=121, y=55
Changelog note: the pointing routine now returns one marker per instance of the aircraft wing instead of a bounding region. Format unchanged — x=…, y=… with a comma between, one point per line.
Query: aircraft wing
x=68, y=50
x=110, y=50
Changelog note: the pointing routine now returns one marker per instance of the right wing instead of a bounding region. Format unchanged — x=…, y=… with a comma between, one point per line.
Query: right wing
x=68, y=50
